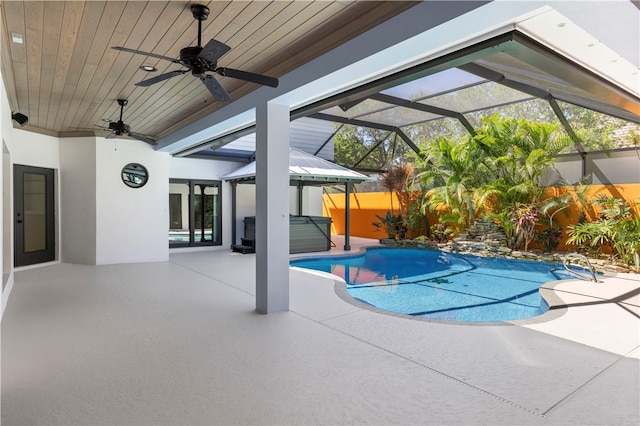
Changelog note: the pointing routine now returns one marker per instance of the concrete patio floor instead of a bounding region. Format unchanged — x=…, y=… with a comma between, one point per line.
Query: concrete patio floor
x=179, y=342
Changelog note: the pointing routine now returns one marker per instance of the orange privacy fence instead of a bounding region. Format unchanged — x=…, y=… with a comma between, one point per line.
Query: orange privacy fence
x=365, y=206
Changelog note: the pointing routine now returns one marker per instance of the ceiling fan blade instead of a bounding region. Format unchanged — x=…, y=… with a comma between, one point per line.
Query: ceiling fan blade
x=248, y=76
x=159, y=78
x=213, y=50
x=215, y=88
x=140, y=52
x=143, y=138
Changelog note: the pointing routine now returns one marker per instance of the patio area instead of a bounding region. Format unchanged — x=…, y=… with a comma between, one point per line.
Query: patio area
x=179, y=342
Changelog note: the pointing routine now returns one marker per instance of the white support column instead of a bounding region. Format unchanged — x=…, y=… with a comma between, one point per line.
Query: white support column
x=272, y=208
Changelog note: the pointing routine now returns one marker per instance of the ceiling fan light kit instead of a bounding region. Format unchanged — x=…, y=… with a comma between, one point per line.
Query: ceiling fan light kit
x=202, y=62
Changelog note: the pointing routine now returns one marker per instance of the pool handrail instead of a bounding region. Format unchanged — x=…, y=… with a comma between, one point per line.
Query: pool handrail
x=567, y=262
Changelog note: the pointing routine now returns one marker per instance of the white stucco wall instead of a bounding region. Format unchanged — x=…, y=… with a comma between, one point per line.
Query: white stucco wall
x=77, y=179
x=33, y=149
x=131, y=223
x=6, y=230
x=245, y=206
x=194, y=168
x=5, y=211
x=311, y=201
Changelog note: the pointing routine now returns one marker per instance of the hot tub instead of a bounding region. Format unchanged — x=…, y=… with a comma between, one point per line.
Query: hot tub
x=306, y=233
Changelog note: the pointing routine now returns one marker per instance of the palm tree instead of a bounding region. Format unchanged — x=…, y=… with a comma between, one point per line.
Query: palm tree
x=520, y=153
x=504, y=162
x=455, y=170
x=395, y=181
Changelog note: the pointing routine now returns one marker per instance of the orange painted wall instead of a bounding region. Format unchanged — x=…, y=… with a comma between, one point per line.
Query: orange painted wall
x=365, y=206
x=628, y=192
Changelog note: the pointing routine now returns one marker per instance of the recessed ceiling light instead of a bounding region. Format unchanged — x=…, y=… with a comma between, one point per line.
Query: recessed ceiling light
x=562, y=24
x=16, y=38
x=148, y=68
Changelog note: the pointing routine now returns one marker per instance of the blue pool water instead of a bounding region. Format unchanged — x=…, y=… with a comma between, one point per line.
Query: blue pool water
x=183, y=236
x=440, y=285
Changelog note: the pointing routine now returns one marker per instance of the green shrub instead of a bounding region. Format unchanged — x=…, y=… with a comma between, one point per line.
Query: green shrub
x=440, y=232
x=549, y=238
x=393, y=225
x=616, y=227
x=626, y=241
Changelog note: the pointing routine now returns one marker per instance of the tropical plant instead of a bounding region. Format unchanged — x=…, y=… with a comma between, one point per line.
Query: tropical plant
x=612, y=208
x=497, y=168
x=590, y=237
x=454, y=170
x=520, y=153
x=550, y=236
x=616, y=227
x=440, y=232
x=416, y=218
x=580, y=194
x=392, y=224
x=396, y=181
x=626, y=241
x=524, y=217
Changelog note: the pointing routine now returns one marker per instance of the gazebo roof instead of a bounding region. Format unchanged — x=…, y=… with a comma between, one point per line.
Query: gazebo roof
x=303, y=167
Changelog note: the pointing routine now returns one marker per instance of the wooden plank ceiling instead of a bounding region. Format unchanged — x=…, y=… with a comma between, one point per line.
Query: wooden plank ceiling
x=66, y=78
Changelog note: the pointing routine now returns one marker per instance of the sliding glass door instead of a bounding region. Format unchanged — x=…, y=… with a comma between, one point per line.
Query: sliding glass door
x=194, y=213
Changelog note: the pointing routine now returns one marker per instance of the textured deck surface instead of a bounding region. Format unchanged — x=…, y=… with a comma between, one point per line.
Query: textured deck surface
x=179, y=342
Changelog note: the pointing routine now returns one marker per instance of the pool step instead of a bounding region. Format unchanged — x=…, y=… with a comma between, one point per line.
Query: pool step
x=248, y=245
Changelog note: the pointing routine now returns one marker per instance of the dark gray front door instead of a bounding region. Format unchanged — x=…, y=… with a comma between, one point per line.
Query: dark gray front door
x=34, y=226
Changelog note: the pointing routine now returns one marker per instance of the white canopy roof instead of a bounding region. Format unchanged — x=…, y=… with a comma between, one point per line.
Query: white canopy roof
x=304, y=167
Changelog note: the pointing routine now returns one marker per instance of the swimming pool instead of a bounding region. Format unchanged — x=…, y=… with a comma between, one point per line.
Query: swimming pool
x=184, y=236
x=440, y=285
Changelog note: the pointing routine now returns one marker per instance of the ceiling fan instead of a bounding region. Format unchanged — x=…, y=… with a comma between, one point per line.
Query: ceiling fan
x=199, y=60
x=119, y=128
